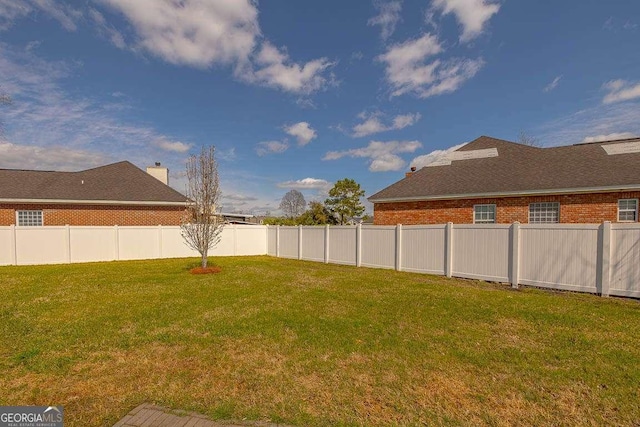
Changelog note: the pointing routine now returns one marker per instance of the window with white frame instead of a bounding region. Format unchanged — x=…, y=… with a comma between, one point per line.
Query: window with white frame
x=628, y=210
x=29, y=218
x=544, y=213
x=484, y=214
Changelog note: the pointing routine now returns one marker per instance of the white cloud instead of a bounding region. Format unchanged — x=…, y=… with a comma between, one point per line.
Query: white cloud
x=387, y=18
x=602, y=119
x=176, y=146
x=372, y=123
x=551, y=86
x=302, y=131
x=106, y=30
x=239, y=197
x=43, y=116
x=620, y=90
x=197, y=33
x=193, y=32
x=271, y=147
x=276, y=70
x=16, y=156
x=306, y=184
x=383, y=155
x=407, y=70
x=426, y=159
x=11, y=10
x=609, y=137
x=472, y=15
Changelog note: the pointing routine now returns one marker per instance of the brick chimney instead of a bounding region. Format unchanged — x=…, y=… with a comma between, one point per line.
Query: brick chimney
x=159, y=172
x=408, y=174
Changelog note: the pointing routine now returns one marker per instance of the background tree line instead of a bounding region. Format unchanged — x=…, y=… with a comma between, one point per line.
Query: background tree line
x=342, y=205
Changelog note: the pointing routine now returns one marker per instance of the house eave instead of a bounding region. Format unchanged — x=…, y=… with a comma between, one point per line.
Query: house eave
x=548, y=192
x=90, y=202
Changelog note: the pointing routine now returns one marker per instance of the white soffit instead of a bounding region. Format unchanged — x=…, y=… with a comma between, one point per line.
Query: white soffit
x=622, y=148
x=465, y=155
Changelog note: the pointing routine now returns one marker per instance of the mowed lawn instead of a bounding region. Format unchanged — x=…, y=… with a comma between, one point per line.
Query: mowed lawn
x=309, y=344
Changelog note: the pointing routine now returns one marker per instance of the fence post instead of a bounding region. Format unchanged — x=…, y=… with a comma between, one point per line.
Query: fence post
x=399, y=247
x=448, y=250
x=117, y=242
x=300, y=242
x=604, y=275
x=277, y=241
x=159, y=240
x=515, y=254
x=326, y=244
x=67, y=241
x=14, y=245
x=359, y=245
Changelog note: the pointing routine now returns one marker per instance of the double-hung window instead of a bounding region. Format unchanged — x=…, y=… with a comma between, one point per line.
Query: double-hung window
x=484, y=214
x=627, y=210
x=29, y=218
x=544, y=213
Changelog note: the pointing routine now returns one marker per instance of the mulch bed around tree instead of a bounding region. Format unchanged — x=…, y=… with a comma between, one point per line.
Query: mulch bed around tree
x=207, y=270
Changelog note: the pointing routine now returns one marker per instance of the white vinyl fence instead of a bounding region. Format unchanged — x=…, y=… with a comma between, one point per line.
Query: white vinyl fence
x=67, y=244
x=602, y=259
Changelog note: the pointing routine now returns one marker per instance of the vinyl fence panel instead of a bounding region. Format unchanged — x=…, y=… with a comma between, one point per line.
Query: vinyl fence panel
x=174, y=245
x=138, y=243
x=342, y=245
x=93, y=244
x=313, y=243
x=423, y=249
x=481, y=251
x=42, y=245
x=272, y=241
x=250, y=240
x=379, y=246
x=289, y=242
x=625, y=260
x=560, y=256
x=7, y=246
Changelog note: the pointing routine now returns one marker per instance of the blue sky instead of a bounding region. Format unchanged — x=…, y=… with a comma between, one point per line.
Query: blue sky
x=299, y=94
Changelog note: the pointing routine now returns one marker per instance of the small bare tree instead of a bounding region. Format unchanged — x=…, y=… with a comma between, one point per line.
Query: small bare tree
x=202, y=223
x=293, y=204
x=525, y=139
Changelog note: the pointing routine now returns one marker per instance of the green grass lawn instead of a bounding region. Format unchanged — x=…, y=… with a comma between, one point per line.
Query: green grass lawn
x=310, y=344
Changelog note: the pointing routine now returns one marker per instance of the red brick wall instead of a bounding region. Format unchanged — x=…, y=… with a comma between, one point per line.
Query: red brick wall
x=578, y=208
x=96, y=214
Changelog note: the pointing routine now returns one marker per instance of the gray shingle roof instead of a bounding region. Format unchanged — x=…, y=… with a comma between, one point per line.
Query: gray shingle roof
x=122, y=182
x=519, y=169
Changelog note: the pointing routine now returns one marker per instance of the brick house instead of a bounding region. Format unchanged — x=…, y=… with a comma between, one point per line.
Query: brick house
x=490, y=180
x=115, y=194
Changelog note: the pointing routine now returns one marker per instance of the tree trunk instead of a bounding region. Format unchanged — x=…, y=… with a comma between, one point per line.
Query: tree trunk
x=204, y=260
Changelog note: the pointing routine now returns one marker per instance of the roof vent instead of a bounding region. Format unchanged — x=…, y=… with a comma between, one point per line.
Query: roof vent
x=622, y=148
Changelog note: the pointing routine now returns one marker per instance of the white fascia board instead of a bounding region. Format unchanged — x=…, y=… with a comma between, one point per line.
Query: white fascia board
x=91, y=202
x=635, y=187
